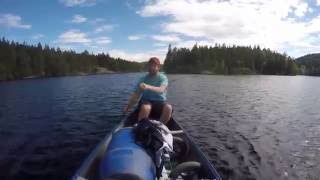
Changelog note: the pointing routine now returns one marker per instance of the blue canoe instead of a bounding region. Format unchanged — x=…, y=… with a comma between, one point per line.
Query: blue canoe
x=118, y=157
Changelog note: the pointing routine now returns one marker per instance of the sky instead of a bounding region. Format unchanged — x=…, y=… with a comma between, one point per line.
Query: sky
x=139, y=29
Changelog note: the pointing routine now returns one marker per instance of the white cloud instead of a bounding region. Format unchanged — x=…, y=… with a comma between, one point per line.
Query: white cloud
x=166, y=38
x=37, y=36
x=12, y=21
x=139, y=56
x=105, y=27
x=273, y=24
x=190, y=43
x=67, y=47
x=301, y=10
x=135, y=37
x=103, y=40
x=82, y=3
x=80, y=41
x=78, y=19
x=73, y=36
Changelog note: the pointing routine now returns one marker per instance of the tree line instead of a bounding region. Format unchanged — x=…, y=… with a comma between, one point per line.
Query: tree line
x=222, y=59
x=310, y=64
x=20, y=60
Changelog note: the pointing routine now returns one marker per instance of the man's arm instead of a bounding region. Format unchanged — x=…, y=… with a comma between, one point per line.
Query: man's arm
x=161, y=89
x=156, y=89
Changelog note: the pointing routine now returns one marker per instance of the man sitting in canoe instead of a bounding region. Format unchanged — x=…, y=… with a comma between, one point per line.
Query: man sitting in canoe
x=152, y=89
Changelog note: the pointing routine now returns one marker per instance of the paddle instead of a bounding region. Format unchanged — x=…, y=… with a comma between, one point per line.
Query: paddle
x=123, y=115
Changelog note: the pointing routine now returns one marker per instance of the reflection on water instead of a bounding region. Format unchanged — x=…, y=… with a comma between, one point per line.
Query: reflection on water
x=251, y=127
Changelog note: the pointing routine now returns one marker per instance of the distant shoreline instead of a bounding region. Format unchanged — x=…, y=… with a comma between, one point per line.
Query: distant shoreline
x=23, y=61
x=89, y=74
x=249, y=74
x=68, y=75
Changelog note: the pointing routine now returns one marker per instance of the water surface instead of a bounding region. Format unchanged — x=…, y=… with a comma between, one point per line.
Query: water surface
x=251, y=127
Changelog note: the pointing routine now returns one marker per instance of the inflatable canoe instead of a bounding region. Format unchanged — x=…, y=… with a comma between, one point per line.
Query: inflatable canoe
x=117, y=156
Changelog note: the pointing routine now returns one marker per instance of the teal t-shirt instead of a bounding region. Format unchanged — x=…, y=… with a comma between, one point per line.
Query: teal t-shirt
x=159, y=80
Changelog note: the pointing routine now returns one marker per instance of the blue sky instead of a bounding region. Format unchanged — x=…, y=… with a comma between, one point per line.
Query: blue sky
x=138, y=29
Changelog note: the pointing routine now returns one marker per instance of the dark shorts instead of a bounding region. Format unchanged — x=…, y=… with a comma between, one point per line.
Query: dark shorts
x=156, y=107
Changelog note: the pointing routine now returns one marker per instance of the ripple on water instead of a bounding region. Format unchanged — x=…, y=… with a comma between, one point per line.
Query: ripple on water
x=251, y=127
x=248, y=125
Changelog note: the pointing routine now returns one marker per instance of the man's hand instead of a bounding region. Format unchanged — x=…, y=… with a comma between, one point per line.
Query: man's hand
x=144, y=86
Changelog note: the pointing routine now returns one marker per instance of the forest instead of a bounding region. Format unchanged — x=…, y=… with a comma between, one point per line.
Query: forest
x=21, y=61
x=310, y=64
x=222, y=59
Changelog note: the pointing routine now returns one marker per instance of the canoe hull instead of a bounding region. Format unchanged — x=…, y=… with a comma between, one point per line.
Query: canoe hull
x=90, y=167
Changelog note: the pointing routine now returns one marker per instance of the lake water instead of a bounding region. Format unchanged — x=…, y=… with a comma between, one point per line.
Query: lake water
x=251, y=127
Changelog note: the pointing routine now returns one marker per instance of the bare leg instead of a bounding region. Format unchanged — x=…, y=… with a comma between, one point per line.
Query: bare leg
x=145, y=110
x=166, y=113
